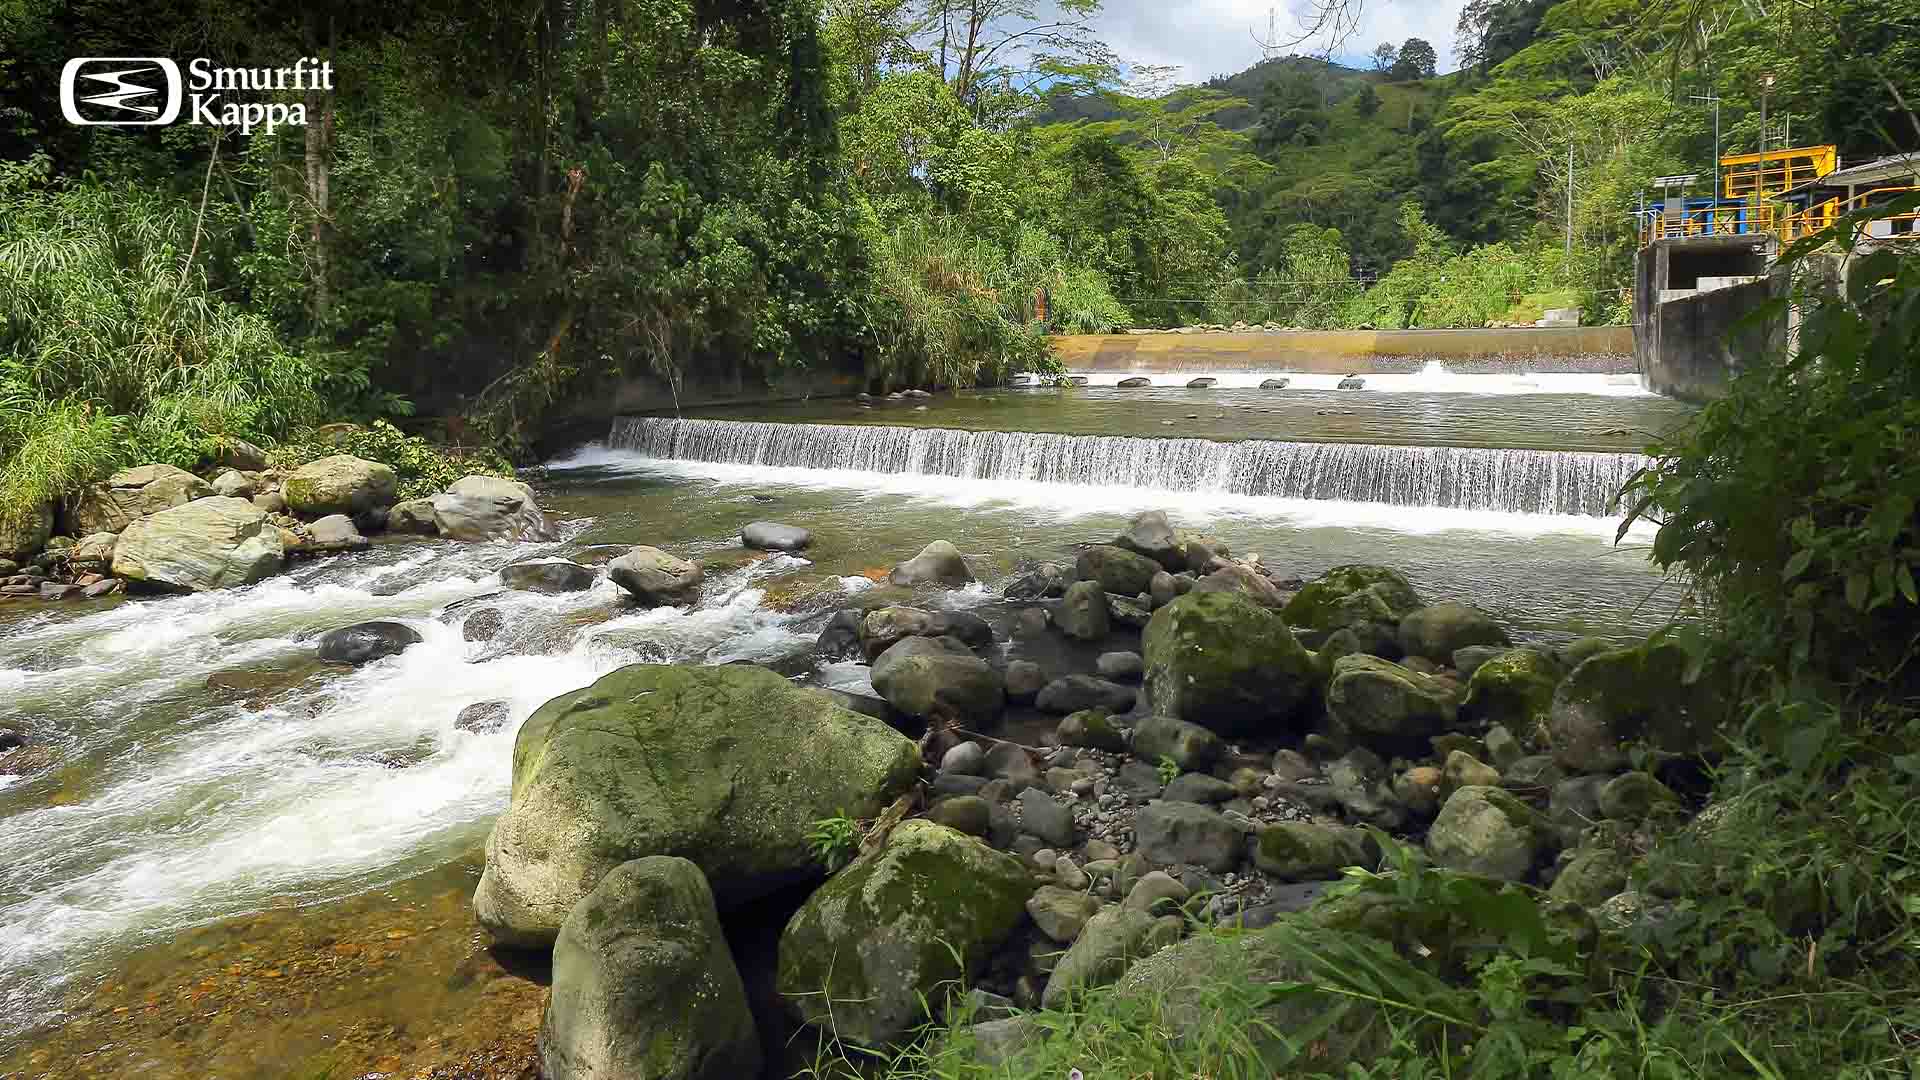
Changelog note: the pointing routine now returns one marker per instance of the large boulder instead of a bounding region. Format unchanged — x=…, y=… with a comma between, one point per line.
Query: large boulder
x=415, y=517
x=1222, y=661
x=130, y=495
x=550, y=576
x=938, y=562
x=728, y=766
x=1190, y=746
x=1307, y=851
x=209, y=543
x=656, y=578
x=1632, y=695
x=884, y=939
x=341, y=484
x=488, y=508
x=1487, y=831
x=1514, y=688
x=365, y=642
x=1150, y=534
x=1435, y=632
x=1375, y=699
x=1116, y=569
x=773, y=536
x=883, y=628
x=1368, y=600
x=22, y=538
x=644, y=984
x=1072, y=693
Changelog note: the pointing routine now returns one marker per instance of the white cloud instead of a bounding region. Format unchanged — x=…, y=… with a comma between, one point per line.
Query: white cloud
x=1216, y=37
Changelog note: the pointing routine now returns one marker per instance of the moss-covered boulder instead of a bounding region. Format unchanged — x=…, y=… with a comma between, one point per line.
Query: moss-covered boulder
x=1371, y=600
x=341, y=484
x=1632, y=695
x=1514, y=689
x=1484, y=830
x=884, y=938
x=726, y=766
x=1224, y=662
x=1116, y=569
x=1592, y=876
x=1374, y=699
x=1218, y=977
x=644, y=984
x=1308, y=851
x=1092, y=728
x=938, y=677
x=1437, y=632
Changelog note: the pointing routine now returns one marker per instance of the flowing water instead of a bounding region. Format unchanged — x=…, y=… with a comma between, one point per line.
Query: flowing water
x=246, y=862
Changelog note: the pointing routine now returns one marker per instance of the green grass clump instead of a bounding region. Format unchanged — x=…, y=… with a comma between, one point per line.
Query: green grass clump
x=422, y=467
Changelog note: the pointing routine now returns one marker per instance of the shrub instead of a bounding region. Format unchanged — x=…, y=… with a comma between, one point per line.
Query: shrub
x=423, y=468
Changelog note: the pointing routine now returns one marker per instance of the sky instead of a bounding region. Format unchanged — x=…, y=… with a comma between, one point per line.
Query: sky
x=1214, y=37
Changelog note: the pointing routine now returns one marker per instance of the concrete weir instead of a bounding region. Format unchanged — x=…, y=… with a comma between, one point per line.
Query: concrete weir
x=1570, y=348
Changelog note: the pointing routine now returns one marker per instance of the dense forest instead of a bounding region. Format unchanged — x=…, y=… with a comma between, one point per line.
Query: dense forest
x=495, y=208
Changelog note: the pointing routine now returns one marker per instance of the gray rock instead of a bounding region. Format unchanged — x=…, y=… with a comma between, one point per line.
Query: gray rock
x=1224, y=662
x=840, y=638
x=925, y=677
x=1178, y=832
x=366, y=642
x=1196, y=787
x=1128, y=611
x=1046, y=819
x=1502, y=748
x=1083, y=612
x=885, y=939
x=969, y=814
x=1150, y=535
x=333, y=534
x=211, y=543
x=415, y=516
x=1533, y=771
x=1484, y=830
x=645, y=985
x=1109, y=944
x=1156, y=893
x=550, y=576
x=1043, y=582
x=745, y=788
x=1090, y=728
x=882, y=628
x=1164, y=589
x=1592, y=876
x=947, y=783
x=1437, y=631
x=1378, y=700
x=1634, y=795
x=1190, y=746
x=1138, y=781
x=966, y=757
x=1010, y=763
x=1624, y=696
x=1061, y=913
x=1072, y=693
x=233, y=485
x=1120, y=665
x=1358, y=781
x=340, y=484
x=939, y=562
x=127, y=496
x=1464, y=770
x=1116, y=569
x=654, y=577
x=1234, y=578
x=1305, y=851
x=770, y=536
x=1024, y=680
x=484, y=717
x=1573, y=806
x=488, y=508
x=996, y=1042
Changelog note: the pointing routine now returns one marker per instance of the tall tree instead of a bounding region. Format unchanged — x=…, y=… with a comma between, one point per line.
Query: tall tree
x=1417, y=60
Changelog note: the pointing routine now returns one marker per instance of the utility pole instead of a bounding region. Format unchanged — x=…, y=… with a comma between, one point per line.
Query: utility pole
x=1766, y=85
x=1713, y=212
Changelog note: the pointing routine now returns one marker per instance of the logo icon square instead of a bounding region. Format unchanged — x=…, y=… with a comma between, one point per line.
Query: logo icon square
x=120, y=91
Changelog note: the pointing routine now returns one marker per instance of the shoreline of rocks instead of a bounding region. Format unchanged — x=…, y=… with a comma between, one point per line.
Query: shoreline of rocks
x=1221, y=760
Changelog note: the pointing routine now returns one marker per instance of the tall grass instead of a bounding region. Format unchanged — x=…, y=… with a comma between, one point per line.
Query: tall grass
x=112, y=347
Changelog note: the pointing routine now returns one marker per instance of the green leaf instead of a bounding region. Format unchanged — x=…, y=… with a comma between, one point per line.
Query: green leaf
x=1903, y=574
x=1857, y=585
x=1797, y=565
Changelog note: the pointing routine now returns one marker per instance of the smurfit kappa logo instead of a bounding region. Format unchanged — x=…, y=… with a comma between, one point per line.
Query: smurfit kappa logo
x=148, y=91
x=121, y=90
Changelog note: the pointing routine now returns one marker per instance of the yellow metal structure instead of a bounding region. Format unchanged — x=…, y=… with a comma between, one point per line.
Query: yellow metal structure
x=1766, y=175
x=1820, y=215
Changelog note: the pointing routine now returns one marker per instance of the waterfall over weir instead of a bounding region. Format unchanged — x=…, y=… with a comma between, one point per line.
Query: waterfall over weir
x=1464, y=478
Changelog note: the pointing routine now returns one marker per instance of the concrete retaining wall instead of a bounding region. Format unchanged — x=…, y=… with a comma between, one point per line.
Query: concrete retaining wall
x=1546, y=349
x=1698, y=343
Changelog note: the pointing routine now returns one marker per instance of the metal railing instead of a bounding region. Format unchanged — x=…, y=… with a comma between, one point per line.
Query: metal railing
x=1766, y=218
x=1822, y=215
x=1722, y=220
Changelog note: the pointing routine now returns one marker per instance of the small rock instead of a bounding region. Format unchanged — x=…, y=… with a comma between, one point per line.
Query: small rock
x=484, y=717
x=548, y=576
x=1190, y=746
x=1045, y=818
x=966, y=757
x=1061, y=913
x=1024, y=680
x=1178, y=832
x=365, y=642
x=1073, y=693
x=1464, y=770
x=1156, y=893
x=771, y=536
x=969, y=814
x=1121, y=665
x=938, y=562
x=1090, y=728
x=1083, y=612
x=1199, y=788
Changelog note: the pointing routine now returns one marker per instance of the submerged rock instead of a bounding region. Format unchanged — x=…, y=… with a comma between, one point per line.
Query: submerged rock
x=210, y=543
x=1222, y=661
x=644, y=984
x=1273, y=384
x=772, y=536
x=656, y=578
x=550, y=576
x=939, y=562
x=727, y=766
x=484, y=717
x=1134, y=383
x=366, y=642
x=1072, y=693
x=883, y=940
